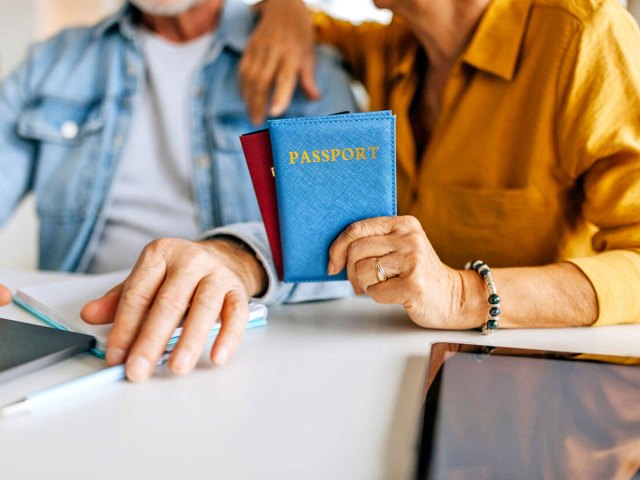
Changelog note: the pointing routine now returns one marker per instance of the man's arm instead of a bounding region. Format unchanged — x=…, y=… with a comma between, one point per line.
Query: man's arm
x=16, y=153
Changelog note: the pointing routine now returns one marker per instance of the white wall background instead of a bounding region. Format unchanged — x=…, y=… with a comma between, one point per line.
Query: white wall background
x=25, y=21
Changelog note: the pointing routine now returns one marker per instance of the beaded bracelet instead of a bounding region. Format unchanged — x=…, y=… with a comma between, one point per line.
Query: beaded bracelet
x=494, y=300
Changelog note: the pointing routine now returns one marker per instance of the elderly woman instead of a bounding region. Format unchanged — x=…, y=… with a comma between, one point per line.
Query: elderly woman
x=518, y=144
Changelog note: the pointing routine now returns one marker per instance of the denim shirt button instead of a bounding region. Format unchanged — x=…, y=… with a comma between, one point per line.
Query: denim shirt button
x=203, y=161
x=69, y=130
x=199, y=92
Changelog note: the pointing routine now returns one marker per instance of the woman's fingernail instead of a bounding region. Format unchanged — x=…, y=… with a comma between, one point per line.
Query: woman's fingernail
x=115, y=356
x=331, y=270
x=182, y=361
x=138, y=368
x=276, y=110
x=221, y=356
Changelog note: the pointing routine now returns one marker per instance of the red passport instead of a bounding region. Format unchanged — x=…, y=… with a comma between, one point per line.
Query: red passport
x=257, y=153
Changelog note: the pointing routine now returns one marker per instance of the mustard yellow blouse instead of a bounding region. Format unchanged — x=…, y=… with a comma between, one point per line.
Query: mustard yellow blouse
x=535, y=156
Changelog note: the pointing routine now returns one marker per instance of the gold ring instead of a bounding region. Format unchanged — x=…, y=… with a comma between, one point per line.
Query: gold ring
x=380, y=273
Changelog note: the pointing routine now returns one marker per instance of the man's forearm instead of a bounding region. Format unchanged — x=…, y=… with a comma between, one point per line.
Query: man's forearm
x=557, y=295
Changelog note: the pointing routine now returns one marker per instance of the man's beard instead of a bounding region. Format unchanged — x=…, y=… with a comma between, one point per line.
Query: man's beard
x=165, y=8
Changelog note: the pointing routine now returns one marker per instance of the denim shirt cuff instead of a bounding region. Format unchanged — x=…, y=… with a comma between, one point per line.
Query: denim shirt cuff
x=254, y=236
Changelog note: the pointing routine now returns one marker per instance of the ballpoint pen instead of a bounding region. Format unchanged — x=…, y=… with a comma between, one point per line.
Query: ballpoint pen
x=67, y=389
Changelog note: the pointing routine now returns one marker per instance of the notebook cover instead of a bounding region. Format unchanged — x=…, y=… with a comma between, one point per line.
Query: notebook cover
x=330, y=171
x=25, y=348
x=257, y=153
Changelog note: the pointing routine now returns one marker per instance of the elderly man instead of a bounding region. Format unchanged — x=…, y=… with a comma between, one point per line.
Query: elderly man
x=128, y=132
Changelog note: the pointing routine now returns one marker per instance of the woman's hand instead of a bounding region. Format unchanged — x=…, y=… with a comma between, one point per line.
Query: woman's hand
x=5, y=295
x=278, y=54
x=431, y=292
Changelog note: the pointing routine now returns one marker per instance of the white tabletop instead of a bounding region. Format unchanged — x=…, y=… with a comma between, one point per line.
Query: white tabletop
x=326, y=391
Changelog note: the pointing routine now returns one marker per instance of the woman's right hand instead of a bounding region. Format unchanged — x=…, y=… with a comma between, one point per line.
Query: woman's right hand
x=279, y=52
x=5, y=295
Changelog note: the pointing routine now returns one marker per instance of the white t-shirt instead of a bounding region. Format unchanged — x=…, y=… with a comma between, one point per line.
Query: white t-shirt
x=152, y=195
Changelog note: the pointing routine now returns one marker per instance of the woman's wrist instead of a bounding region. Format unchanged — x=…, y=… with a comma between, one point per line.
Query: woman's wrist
x=473, y=303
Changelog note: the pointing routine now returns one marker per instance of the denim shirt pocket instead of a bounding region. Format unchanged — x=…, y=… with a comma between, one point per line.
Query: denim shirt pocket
x=70, y=140
x=230, y=176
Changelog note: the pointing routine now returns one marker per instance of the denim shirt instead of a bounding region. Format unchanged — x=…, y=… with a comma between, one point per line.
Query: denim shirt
x=65, y=115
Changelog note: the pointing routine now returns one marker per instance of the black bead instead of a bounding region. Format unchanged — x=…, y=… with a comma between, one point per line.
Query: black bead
x=476, y=264
x=484, y=273
x=492, y=324
x=494, y=311
x=494, y=299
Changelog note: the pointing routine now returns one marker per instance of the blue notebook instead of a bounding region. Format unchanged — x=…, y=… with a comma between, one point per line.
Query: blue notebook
x=330, y=171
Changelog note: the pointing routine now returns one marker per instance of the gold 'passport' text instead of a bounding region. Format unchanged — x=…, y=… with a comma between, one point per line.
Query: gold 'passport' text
x=333, y=155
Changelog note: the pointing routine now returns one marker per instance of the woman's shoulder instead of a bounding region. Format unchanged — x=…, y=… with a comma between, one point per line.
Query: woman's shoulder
x=584, y=12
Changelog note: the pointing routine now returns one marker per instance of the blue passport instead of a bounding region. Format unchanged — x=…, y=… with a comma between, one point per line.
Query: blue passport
x=330, y=171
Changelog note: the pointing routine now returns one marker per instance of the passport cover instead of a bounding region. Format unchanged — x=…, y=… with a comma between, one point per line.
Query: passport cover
x=257, y=152
x=330, y=171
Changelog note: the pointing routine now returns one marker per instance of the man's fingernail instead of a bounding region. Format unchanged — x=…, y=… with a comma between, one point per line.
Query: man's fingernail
x=115, y=356
x=182, y=361
x=221, y=356
x=138, y=368
x=332, y=269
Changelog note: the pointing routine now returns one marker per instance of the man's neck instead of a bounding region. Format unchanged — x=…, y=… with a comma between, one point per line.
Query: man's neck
x=444, y=27
x=192, y=24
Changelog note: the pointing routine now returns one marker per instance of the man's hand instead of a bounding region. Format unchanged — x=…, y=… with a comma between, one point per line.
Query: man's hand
x=210, y=279
x=430, y=291
x=5, y=295
x=279, y=52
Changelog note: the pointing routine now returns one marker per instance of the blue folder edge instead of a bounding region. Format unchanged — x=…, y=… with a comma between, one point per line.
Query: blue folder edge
x=256, y=322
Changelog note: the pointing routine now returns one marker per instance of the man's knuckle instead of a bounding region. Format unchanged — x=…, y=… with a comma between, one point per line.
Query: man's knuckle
x=236, y=297
x=168, y=303
x=157, y=247
x=136, y=298
x=199, y=257
x=204, y=302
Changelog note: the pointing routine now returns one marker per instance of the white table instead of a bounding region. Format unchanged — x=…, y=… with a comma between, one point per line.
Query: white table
x=325, y=391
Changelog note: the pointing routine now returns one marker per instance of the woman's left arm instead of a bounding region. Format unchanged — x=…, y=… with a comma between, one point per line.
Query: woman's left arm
x=437, y=296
